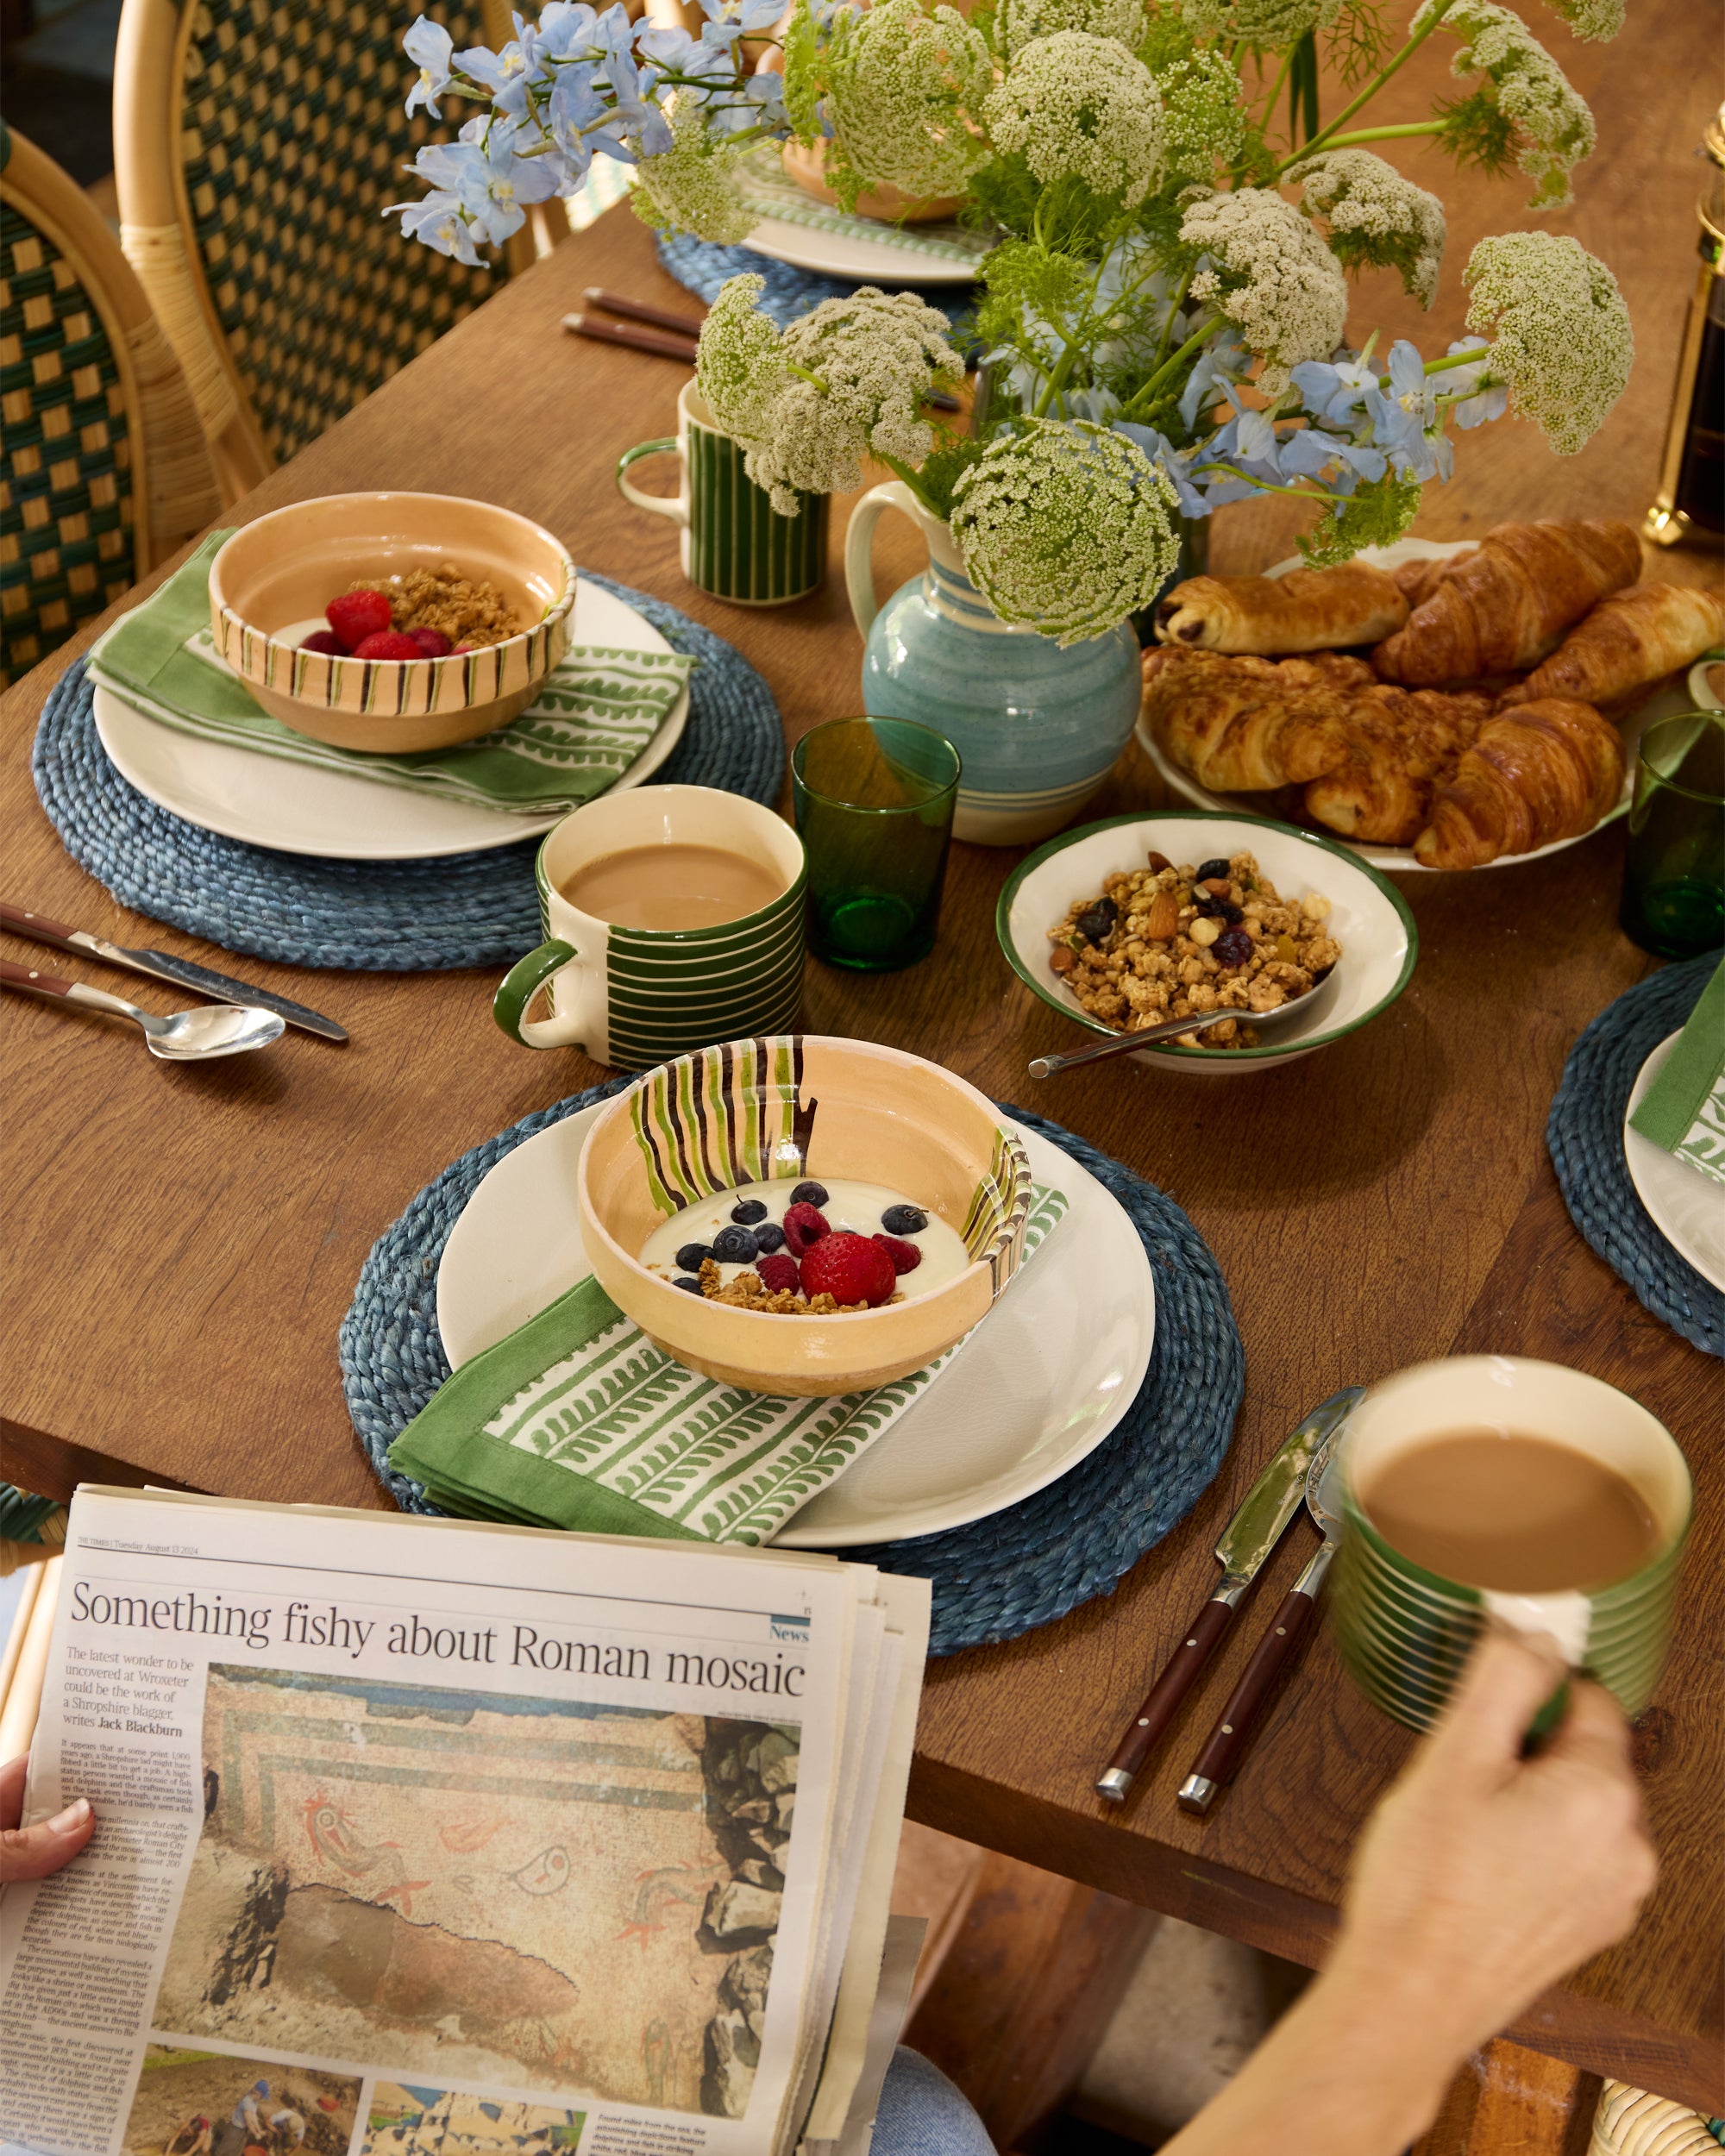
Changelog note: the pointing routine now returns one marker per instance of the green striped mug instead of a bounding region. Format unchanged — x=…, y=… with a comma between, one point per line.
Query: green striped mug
x=636, y=997
x=734, y=544
x=1405, y=1632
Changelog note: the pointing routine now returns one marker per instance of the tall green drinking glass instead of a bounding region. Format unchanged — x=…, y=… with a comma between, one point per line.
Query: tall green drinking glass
x=874, y=801
x=1674, y=869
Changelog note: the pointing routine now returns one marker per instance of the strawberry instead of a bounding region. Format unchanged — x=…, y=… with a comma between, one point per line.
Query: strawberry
x=804, y=1227
x=779, y=1273
x=356, y=614
x=326, y=642
x=387, y=643
x=906, y=1256
x=849, y=1267
x=432, y=642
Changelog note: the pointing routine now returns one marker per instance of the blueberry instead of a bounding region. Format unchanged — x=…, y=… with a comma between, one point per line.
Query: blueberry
x=748, y=1211
x=734, y=1246
x=688, y=1282
x=1218, y=909
x=1097, y=923
x=809, y=1194
x=1233, y=947
x=693, y=1256
x=904, y=1220
x=1218, y=868
x=768, y=1236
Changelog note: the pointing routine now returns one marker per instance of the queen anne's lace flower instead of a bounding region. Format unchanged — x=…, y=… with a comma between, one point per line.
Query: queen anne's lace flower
x=1067, y=527
x=740, y=367
x=1563, y=340
x=1273, y=22
x=1019, y=21
x=1376, y=216
x=898, y=85
x=1203, y=116
x=1597, y=21
x=1553, y=128
x=693, y=186
x=1083, y=108
x=1270, y=272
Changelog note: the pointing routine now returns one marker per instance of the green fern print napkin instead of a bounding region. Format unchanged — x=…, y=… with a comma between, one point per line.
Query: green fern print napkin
x=1684, y=1109
x=596, y=713
x=578, y=1421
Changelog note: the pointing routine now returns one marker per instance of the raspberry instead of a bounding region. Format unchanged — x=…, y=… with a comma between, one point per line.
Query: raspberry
x=906, y=1256
x=387, y=643
x=432, y=642
x=849, y=1267
x=356, y=614
x=327, y=642
x=778, y=1274
x=804, y=1227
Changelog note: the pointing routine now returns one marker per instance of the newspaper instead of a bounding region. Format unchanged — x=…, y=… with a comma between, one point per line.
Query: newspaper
x=435, y=1838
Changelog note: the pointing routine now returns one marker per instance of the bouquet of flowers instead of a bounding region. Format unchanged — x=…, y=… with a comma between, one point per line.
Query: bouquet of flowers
x=1164, y=313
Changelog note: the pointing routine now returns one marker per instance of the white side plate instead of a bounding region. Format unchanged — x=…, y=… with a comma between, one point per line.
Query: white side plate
x=1685, y=1206
x=837, y=254
x=303, y=809
x=1040, y=1383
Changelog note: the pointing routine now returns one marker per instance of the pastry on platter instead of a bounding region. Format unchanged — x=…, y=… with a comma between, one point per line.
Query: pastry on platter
x=1400, y=742
x=1307, y=610
x=1244, y=725
x=1628, y=642
x=1536, y=773
x=1505, y=606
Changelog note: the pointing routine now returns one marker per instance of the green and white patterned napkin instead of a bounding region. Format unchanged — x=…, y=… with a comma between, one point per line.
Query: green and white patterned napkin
x=578, y=1421
x=1684, y=1109
x=769, y=193
x=596, y=713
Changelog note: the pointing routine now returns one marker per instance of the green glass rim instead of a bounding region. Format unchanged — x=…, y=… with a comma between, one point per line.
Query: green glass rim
x=1674, y=785
x=861, y=808
x=1268, y=1054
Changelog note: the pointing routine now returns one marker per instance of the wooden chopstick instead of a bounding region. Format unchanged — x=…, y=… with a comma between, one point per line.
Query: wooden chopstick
x=634, y=310
x=678, y=347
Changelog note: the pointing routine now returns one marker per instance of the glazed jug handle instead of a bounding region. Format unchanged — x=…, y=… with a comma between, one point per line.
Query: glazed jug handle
x=859, y=546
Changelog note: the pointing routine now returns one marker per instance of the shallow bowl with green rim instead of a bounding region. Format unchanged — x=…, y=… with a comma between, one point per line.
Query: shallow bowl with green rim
x=1369, y=919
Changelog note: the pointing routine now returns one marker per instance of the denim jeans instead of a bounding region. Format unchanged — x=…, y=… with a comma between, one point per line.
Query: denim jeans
x=922, y=2113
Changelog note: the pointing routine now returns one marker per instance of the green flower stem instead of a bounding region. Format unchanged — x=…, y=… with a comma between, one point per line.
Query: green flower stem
x=1276, y=87
x=1473, y=357
x=790, y=368
x=1384, y=134
x=1270, y=487
x=1329, y=134
x=912, y=479
x=1202, y=334
x=1057, y=380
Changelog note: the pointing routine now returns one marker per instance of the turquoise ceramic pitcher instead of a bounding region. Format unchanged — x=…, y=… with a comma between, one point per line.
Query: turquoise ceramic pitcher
x=1036, y=729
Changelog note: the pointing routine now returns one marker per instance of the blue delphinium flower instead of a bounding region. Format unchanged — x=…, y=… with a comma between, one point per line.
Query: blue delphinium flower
x=505, y=74
x=1336, y=460
x=1177, y=463
x=1485, y=405
x=1221, y=362
x=427, y=44
x=1332, y=390
x=440, y=220
x=1404, y=418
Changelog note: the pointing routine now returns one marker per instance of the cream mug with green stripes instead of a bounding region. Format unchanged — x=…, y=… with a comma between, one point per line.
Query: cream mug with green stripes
x=635, y=997
x=734, y=544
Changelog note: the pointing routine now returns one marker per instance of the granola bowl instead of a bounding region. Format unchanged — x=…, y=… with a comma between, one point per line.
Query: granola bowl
x=1314, y=899
x=802, y=1106
x=272, y=580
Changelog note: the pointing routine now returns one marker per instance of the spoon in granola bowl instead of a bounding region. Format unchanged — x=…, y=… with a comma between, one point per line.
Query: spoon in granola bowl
x=1171, y=1029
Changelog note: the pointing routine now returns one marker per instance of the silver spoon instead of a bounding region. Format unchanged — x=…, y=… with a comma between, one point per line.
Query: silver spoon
x=1171, y=1029
x=186, y=1036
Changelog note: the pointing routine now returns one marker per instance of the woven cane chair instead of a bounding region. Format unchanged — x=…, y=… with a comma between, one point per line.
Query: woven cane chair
x=103, y=464
x=256, y=143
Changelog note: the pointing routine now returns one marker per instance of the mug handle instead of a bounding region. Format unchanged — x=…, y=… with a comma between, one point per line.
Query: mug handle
x=658, y=505
x=859, y=547
x=568, y=1028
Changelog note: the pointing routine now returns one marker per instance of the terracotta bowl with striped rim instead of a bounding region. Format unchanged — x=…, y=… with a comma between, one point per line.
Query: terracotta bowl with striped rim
x=796, y=1105
x=270, y=583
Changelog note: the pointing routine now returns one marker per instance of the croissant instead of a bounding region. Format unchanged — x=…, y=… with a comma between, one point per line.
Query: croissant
x=1400, y=742
x=1417, y=581
x=1506, y=605
x=1628, y=642
x=1307, y=610
x=1539, y=772
x=1242, y=725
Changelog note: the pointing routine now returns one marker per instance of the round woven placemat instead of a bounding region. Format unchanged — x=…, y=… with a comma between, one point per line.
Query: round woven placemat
x=370, y=916
x=701, y=267
x=993, y=1580
x=1585, y=1137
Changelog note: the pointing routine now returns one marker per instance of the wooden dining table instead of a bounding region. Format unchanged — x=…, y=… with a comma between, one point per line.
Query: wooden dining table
x=182, y=1244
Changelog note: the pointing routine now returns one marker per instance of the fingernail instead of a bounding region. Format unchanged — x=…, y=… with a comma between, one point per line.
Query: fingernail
x=73, y=1815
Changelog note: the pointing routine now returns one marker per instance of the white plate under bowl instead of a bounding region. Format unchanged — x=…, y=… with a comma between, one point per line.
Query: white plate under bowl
x=300, y=808
x=1402, y=859
x=1035, y=1388
x=1369, y=919
x=1685, y=1206
x=874, y=261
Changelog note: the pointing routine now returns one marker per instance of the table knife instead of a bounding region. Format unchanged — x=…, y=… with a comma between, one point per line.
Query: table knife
x=1247, y=1541
x=161, y=965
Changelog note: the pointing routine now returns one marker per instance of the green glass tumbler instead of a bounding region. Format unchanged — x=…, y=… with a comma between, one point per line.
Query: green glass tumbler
x=874, y=802
x=1674, y=871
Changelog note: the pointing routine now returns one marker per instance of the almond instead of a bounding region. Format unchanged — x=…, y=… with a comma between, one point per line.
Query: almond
x=1163, y=916
x=1216, y=886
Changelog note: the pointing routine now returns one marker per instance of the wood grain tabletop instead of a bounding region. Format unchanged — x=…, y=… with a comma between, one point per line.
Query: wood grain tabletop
x=182, y=1243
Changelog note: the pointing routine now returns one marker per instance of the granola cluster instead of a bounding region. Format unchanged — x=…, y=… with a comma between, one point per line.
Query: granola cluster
x=746, y=1291
x=467, y=611
x=1163, y=942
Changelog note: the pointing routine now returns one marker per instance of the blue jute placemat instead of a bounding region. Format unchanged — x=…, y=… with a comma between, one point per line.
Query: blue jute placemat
x=1585, y=1138
x=701, y=267
x=370, y=916
x=993, y=1580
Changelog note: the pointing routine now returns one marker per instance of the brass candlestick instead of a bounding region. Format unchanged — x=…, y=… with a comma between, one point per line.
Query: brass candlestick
x=1690, y=502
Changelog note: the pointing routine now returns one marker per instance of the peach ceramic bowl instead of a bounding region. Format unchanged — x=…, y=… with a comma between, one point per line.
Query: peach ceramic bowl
x=807, y=164
x=796, y=1105
x=279, y=574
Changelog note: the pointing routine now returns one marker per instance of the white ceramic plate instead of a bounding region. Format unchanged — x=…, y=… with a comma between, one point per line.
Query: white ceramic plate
x=1401, y=858
x=303, y=809
x=1369, y=917
x=1039, y=1385
x=1687, y=1208
x=872, y=262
